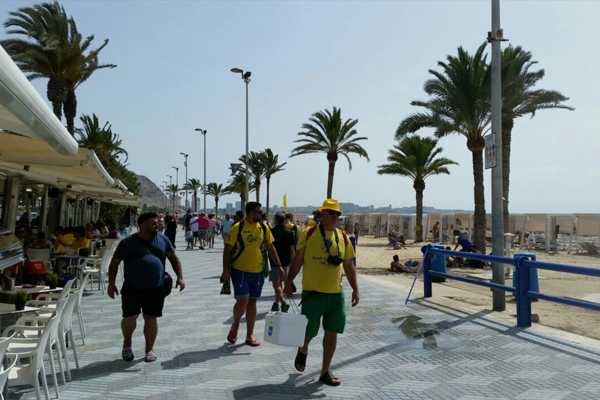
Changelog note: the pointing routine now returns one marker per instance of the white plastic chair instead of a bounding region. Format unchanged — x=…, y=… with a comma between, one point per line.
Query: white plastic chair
x=65, y=331
x=28, y=373
x=27, y=336
x=3, y=346
x=48, y=301
x=4, y=377
x=78, y=309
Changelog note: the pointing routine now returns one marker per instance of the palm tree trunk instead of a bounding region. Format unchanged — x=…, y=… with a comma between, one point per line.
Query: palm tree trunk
x=330, y=179
x=507, y=127
x=257, y=183
x=243, y=201
x=480, y=220
x=195, y=197
x=216, y=206
x=70, y=109
x=419, y=187
x=268, y=190
x=57, y=95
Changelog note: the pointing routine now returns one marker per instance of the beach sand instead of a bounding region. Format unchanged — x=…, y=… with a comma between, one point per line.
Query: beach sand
x=374, y=257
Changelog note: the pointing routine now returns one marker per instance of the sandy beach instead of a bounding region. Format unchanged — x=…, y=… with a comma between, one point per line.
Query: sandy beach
x=374, y=257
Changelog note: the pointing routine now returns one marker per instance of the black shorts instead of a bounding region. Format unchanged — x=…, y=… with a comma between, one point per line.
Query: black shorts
x=195, y=234
x=148, y=301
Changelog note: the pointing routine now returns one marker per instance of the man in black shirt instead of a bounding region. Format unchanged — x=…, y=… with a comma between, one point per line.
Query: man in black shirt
x=284, y=244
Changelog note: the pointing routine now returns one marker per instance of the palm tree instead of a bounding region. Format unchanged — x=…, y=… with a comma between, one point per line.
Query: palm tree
x=216, y=190
x=237, y=184
x=41, y=53
x=415, y=157
x=53, y=48
x=102, y=140
x=519, y=99
x=326, y=133
x=173, y=189
x=255, y=167
x=80, y=67
x=272, y=166
x=194, y=186
x=459, y=103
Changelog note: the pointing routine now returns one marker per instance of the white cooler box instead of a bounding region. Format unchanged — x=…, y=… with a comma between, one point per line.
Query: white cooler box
x=285, y=329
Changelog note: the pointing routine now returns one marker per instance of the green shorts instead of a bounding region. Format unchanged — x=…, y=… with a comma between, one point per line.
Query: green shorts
x=328, y=305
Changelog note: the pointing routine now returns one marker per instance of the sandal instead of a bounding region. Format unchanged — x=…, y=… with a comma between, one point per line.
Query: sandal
x=231, y=339
x=252, y=342
x=328, y=379
x=127, y=355
x=150, y=357
x=300, y=361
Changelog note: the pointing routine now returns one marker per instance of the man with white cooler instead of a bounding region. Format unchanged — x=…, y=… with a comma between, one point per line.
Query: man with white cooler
x=325, y=252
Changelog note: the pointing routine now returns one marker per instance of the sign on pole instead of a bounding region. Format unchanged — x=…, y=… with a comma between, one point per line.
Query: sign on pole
x=490, y=150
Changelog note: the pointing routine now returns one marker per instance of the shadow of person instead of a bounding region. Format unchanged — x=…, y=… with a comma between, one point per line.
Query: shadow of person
x=103, y=368
x=184, y=360
x=304, y=391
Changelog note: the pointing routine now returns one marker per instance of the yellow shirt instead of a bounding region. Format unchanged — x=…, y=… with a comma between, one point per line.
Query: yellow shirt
x=251, y=258
x=290, y=226
x=71, y=242
x=312, y=222
x=66, y=239
x=81, y=243
x=319, y=275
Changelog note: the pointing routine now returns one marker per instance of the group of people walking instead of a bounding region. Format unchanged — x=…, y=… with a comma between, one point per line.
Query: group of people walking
x=251, y=246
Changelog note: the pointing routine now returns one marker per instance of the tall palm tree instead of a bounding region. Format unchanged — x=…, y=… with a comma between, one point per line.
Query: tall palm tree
x=459, y=102
x=42, y=52
x=255, y=167
x=173, y=189
x=102, y=140
x=80, y=67
x=194, y=186
x=272, y=166
x=216, y=190
x=415, y=157
x=327, y=133
x=237, y=184
x=519, y=98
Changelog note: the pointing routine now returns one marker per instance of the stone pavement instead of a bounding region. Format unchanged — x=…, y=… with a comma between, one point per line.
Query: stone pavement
x=389, y=351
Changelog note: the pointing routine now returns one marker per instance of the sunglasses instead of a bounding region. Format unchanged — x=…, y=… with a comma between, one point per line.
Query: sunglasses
x=331, y=212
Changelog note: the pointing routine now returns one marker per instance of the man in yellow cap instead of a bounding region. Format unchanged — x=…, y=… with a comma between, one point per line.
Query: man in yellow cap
x=325, y=252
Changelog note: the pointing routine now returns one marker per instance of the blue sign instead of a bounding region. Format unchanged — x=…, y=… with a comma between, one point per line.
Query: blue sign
x=270, y=331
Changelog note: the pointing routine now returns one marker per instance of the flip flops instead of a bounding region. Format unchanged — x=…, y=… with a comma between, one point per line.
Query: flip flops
x=300, y=361
x=252, y=342
x=328, y=379
x=127, y=355
x=150, y=357
x=230, y=338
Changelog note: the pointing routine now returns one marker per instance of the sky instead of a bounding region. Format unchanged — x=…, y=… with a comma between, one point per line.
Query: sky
x=369, y=58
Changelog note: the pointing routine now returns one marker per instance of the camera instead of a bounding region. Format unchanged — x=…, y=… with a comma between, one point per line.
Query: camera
x=334, y=260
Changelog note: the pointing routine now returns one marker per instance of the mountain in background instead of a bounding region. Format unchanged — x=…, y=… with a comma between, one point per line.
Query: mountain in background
x=151, y=194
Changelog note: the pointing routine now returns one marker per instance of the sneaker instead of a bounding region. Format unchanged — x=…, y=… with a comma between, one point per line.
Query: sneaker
x=275, y=307
x=285, y=307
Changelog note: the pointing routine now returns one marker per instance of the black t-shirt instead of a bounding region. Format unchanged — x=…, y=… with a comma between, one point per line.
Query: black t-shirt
x=283, y=241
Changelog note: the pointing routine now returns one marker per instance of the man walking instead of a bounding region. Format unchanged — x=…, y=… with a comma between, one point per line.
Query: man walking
x=193, y=226
x=226, y=225
x=295, y=229
x=284, y=244
x=245, y=249
x=325, y=252
x=143, y=290
x=203, y=224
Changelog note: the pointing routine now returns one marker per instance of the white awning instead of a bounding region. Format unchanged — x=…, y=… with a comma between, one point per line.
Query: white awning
x=23, y=111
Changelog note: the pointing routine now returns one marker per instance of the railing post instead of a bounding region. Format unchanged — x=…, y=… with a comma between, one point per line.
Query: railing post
x=427, y=289
x=523, y=286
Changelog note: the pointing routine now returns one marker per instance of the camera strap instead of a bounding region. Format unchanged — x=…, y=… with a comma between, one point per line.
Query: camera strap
x=337, y=240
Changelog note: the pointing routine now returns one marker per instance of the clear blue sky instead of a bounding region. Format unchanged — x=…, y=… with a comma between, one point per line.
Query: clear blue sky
x=369, y=58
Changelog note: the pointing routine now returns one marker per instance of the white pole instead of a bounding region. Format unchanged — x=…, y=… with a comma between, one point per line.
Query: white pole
x=247, y=80
x=205, y=172
x=499, y=300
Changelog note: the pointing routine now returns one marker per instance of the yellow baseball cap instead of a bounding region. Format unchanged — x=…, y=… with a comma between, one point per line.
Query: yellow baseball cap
x=330, y=204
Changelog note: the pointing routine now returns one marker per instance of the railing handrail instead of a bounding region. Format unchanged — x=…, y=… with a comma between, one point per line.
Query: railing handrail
x=521, y=278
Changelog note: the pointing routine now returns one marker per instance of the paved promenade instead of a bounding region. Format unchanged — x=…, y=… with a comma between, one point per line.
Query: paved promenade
x=389, y=351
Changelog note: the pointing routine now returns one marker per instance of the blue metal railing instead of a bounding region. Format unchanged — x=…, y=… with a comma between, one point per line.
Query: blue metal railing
x=521, y=278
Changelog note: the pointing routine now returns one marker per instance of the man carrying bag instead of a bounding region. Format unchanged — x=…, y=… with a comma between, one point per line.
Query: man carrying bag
x=146, y=281
x=325, y=252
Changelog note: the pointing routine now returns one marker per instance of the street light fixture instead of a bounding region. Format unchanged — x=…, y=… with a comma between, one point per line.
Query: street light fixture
x=186, y=177
x=246, y=79
x=203, y=132
x=176, y=182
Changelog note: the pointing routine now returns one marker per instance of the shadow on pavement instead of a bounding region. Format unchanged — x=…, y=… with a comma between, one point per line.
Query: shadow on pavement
x=184, y=360
x=91, y=371
x=305, y=391
x=259, y=317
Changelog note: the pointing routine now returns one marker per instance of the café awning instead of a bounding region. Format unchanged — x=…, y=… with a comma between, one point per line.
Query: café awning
x=23, y=111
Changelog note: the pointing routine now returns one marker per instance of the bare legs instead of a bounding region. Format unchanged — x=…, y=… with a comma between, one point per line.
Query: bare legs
x=244, y=305
x=128, y=325
x=329, y=345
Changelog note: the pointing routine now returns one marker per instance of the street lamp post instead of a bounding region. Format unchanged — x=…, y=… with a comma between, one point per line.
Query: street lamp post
x=246, y=79
x=176, y=182
x=203, y=132
x=186, y=178
x=167, y=199
x=170, y=183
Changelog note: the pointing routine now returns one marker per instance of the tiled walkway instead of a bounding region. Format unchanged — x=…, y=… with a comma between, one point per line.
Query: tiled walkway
x=388, y=351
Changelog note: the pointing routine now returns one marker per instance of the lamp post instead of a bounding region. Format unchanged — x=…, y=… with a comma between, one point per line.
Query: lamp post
x=246, y=79
x=186, y=178
x=170, y=183
x=176, y=182
x=167, y=200
x=203, y=132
